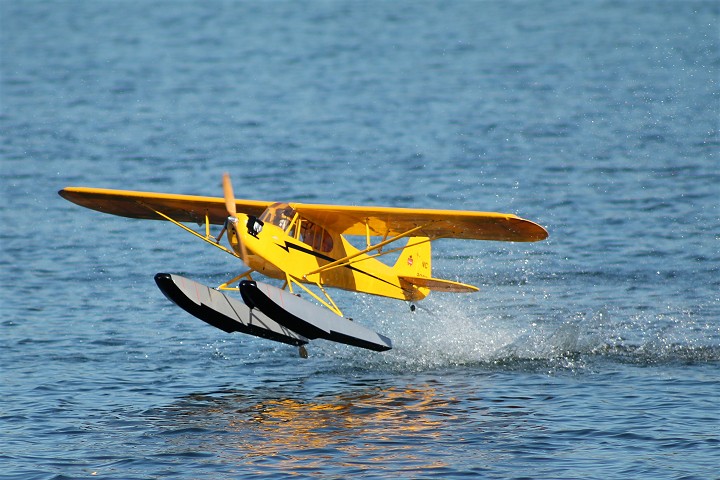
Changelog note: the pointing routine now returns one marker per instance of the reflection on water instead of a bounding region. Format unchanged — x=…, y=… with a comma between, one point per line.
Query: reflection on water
x=398, y=426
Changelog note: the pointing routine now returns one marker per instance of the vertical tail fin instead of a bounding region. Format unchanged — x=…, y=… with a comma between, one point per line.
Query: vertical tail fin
x=414, y=269
x=416, y=259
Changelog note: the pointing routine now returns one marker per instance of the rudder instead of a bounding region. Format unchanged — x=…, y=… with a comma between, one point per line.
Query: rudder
x=416, y=259
x=414, y=269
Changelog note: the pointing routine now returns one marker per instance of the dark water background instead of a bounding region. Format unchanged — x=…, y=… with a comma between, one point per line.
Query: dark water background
x=594, y=354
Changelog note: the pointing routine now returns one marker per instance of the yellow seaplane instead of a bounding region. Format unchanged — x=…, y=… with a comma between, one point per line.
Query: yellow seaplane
x=305, y=247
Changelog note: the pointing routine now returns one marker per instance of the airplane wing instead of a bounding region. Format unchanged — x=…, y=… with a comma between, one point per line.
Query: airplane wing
x=182, y=208
x=388, y=221
x=347, y=220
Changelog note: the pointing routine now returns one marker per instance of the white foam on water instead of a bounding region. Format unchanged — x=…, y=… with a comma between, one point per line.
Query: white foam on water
x=444, y=332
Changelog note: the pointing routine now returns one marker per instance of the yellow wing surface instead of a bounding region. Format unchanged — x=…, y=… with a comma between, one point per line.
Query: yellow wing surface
x=347, y=220
x=182, y=208
x=390, y=221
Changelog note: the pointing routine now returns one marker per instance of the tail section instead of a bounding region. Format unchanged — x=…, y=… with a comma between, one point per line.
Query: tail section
x=415, y=259
x=414, y=268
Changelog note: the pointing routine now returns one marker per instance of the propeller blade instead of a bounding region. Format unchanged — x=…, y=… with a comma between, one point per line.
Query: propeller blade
x=232, y=212
x=243, y=252
x=229, y=195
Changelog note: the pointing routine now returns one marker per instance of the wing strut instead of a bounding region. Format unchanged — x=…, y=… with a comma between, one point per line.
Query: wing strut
x=409, y=245
x=343, y=261
x=207, y=237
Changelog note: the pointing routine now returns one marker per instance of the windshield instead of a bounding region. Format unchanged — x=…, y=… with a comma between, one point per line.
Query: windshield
x=279, y=214
x=282, y=215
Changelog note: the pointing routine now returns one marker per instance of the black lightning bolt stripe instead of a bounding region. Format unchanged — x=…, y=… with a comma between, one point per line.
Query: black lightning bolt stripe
x=309, y=251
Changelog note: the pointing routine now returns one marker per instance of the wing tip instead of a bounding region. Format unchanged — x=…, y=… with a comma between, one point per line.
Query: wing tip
x=529, y=231
x=69, y=194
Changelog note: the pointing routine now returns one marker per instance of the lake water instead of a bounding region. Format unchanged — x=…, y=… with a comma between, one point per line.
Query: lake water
x=593, y=354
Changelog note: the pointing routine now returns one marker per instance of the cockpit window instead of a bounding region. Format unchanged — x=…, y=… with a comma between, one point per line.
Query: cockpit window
x=282, y=215
x=278, y=214
x=316, y=236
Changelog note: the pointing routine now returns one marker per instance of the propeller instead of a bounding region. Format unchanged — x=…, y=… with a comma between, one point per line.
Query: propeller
x=232, y=214
x=229, y=195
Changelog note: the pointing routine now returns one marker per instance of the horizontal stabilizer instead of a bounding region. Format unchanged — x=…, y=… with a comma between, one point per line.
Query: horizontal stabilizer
x=440, y=285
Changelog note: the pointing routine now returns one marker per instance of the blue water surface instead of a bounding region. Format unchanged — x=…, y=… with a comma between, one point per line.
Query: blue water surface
x=593, y=354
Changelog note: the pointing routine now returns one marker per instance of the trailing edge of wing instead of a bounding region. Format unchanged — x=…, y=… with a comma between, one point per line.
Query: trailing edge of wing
x=388, y=221
x=182, y=208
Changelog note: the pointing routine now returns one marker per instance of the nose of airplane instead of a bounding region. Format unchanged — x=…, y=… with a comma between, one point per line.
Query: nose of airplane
x=235, y=235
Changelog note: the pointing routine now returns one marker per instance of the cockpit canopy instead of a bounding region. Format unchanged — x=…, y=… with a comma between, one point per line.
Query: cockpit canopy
x=284, y=216
x=278, y=214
